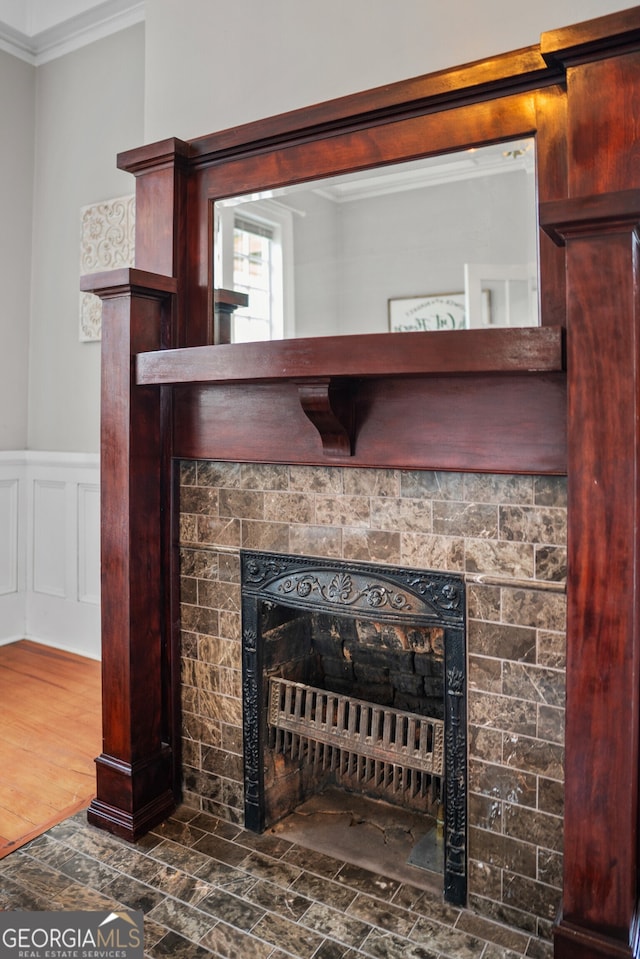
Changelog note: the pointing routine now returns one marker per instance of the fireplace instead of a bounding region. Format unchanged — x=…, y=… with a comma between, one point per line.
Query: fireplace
x=558, y=400
x=355, y=675
x=502, y=535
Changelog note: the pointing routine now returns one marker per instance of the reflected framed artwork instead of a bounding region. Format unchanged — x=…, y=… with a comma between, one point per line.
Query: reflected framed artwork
x=443, y=311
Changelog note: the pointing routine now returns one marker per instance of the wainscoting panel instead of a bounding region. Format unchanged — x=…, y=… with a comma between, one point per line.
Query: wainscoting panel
x=9, y=542
x=89, y=543
x=48, y=573
x=12, y=546
x=50, y=550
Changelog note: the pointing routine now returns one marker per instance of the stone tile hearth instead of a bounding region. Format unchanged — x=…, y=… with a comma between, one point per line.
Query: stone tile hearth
x=209, y=888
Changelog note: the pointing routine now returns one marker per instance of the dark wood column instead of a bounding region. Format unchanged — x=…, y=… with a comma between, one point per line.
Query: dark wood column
x=135, y=773
x=162, y=175
x=598, y=225
x=601, y=796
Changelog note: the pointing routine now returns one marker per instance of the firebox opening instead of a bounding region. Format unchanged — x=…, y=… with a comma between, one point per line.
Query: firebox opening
x=355, y=738
x=354, y=710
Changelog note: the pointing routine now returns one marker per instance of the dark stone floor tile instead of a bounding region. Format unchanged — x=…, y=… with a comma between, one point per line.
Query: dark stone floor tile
x=336, y=925
x=231, y=909
x=324, y=890
x=88, y=871
x=265, y=843
x=264, y=867
x=79, y=897
x=100, y=845
x=68, y=827
x=148, y=842
x=313, y=861
x=377, y=913
x=180, y=857
x=177, y=947
x=493, y=932
x=37, y=877
x=172, y=882
x=215, y=826
x=80, y=818
x=184, y=813
x=231, y=943
x=185, y=920
x=21, y=897
x=47, y=850
x=133, y=894
x=333, y=950
x=408, y=897
x=385, y=945
x=539, y=949
x=494, y=951
x=153, y=932
x=222, y=849
x=424, y=903
x=435, y=935
x=222, y=876
x=285, y=902
x=184, y=833
x=288, y=936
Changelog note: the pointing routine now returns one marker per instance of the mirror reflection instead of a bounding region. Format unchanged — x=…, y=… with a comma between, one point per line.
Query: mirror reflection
x=447, y=242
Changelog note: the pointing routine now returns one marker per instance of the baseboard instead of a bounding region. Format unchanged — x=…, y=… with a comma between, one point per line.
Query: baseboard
x=7, y=640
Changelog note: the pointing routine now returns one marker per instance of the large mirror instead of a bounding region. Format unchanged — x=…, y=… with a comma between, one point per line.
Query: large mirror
x=447, y=242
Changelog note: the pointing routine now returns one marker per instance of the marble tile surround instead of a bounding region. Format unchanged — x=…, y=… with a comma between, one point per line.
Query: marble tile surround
x=506, y=534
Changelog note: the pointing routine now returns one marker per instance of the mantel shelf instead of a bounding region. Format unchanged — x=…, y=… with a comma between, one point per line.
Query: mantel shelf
x=443, y=353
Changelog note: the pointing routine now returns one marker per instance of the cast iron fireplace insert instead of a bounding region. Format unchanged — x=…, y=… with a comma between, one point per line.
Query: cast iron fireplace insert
x=355, y=674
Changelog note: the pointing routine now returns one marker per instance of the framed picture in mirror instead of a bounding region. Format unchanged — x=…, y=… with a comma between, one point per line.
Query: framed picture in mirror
x=434, y=311
x=412, y=314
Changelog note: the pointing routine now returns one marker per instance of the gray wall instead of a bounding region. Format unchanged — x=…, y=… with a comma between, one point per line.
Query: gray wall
x=212, y=65
x=193, y=68
x=17, y=113
x=89, y=108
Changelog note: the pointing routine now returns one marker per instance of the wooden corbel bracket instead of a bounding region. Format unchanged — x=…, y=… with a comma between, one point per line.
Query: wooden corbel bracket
x=329, y=403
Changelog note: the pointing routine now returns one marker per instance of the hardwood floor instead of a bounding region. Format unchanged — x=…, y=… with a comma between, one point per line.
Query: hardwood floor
x=50, y=734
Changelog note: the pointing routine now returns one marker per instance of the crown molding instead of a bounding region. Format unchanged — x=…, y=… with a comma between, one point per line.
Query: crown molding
x=73, y=33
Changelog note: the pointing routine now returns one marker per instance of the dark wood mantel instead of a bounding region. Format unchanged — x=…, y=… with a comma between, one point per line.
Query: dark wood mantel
x=562, y=398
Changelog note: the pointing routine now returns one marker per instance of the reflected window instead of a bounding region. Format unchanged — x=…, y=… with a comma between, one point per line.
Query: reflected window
x=254, y=264
x=253, y=250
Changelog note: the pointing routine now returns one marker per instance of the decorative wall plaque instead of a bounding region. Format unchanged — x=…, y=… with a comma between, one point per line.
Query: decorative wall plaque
x=107, y=243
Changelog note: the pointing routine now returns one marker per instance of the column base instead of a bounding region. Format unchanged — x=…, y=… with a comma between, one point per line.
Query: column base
x=577, y=942
x=131, y=800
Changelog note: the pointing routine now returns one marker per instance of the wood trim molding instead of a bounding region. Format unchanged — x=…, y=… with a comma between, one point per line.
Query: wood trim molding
x=493, y=77
x=126, y=282
x=582, y=216
x=446, y=352
x=603, y=36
